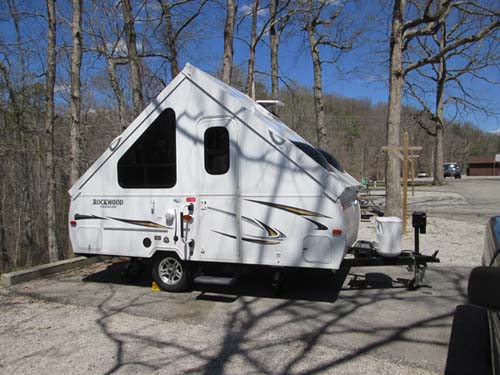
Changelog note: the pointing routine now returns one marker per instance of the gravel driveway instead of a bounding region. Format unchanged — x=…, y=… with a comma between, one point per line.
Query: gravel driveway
x=363, y=321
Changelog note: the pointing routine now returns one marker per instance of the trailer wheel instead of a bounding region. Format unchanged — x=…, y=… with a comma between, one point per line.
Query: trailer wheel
x=170, y=273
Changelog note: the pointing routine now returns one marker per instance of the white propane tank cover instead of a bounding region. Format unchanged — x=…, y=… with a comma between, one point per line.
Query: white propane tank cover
x=389, y=236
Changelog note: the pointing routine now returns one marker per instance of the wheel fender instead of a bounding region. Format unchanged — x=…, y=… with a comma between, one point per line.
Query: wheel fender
x=165, y=251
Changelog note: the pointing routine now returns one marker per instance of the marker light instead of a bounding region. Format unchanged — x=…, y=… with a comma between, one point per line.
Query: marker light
x=73, y=223
x=337, y=232
x=191, y=199
x=187, y=218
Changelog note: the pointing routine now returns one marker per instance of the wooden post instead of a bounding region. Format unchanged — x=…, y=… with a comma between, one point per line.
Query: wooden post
x=405, y=179
x=402, y=154
x=412, y=171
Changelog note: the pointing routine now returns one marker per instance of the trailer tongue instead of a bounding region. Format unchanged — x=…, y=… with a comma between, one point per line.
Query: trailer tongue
x=364, y=254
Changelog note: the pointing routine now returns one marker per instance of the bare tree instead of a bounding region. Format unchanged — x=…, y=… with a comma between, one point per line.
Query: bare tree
x=49, y=131
x=468, y=28
x=173, y=32
x=107, y=37
x=273, y=24
x=227, y=63
x=279, y=17
x=322, y=21
x=251, y=53
x=76, y=65
x=133, y=56
x=274, y=45
x=402, y=33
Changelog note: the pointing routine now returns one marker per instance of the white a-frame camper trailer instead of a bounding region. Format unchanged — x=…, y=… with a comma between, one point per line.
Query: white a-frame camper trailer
x=205, y=175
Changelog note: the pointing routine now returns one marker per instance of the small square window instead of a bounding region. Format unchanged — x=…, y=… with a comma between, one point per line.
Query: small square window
x=216, y=150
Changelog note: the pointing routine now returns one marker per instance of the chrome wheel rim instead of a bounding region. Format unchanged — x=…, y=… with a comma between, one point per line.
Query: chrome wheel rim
x=170, y=271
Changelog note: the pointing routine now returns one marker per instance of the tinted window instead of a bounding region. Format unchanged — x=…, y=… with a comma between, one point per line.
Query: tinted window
x=312, y=153
x=216, y=150
x=331, y=160
x=151, y=161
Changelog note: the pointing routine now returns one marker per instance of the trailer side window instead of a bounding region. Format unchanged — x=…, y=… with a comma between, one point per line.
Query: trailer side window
x=312, y=153
x=331, y=160
x=216, y=150
x=151, y=161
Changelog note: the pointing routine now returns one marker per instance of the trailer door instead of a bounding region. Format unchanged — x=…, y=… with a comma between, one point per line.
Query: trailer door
x=218, y=228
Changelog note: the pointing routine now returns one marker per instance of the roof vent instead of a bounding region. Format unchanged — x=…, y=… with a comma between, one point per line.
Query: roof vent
x=271, y=105
x=268, y=103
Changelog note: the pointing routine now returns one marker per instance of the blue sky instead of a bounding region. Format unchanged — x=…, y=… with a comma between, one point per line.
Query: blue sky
x=361, y=73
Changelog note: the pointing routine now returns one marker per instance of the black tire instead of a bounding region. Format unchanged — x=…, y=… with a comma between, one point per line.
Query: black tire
x=170, y=273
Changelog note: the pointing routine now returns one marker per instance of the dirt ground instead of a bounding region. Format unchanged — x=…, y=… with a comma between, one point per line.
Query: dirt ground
x=359, y=321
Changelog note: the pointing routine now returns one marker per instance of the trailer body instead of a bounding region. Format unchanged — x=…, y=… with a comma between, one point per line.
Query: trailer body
x=208, y=174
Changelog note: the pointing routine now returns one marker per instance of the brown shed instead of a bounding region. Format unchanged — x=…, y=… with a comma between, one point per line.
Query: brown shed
x=483, y=166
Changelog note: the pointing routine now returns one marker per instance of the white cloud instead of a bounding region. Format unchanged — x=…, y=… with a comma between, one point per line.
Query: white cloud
x=121, y=48
x=246, y=10
x=63, y=87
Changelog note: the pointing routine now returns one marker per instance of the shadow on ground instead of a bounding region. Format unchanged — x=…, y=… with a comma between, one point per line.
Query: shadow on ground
x=299, y=284
x=319, y=322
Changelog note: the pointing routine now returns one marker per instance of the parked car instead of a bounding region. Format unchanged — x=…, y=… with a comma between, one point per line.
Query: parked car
x=452, y=170
x=475, y=336
x=422, y=174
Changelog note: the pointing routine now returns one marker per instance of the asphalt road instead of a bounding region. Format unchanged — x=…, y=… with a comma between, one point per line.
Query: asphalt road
x=93, y=321
x=481, y=194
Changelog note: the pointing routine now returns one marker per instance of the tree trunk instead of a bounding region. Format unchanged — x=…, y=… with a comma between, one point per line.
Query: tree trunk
x=251, y=55
x=319, y=108
x=439, y=156
x=393, y=205
x=227, y=64
x=274, y=44
x=76, y=64
x=172, y=47
x=439, y=120
x=14, y=13
x=4, y=254
x=49, y=132
x=133, y=56
x=115, y=85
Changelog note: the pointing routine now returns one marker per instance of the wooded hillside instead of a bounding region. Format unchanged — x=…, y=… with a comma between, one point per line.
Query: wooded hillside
x=74, y=73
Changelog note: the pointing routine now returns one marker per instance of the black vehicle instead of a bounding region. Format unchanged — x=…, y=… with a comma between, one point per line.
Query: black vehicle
x=451, y=170
x=475, y=336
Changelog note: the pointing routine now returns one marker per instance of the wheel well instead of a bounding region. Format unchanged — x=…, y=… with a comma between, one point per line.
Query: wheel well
x=165, y=253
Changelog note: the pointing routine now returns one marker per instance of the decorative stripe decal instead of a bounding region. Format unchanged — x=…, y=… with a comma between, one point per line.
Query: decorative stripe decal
x=225, y=234
x=87, y=217
x=294, y=210
x=222, y=211
x=261, y=242
x=273, y=232
x=276, y=236
x=152, y=230
x=142, y=223
x=319, y=226
x=247, y=239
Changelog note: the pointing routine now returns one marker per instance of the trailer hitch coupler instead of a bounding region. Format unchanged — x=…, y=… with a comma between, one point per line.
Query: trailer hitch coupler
x=419, y=221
